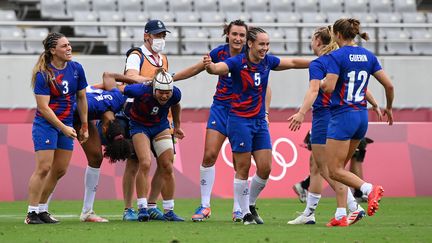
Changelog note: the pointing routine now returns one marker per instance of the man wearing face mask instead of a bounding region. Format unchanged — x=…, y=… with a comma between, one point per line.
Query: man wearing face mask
x=141, y=62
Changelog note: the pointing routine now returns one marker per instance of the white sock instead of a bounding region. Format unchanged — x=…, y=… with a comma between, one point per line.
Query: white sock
x=142, y=202
x=33, y=209
x=50, y=197
x=366, y=188
x=340, y=212
x=256, y=187
x=311, y=203
x=168, y=205
x=351, y=202
x=152, y=205
x=91, y=180
x=236, y=205
x=207, y=178
x=43, y=207
x=241, y=191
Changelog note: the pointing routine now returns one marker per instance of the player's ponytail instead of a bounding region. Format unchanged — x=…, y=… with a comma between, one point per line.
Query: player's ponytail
x=117, y=147
x=45, y=58
x=326, y=36
x=349, y=28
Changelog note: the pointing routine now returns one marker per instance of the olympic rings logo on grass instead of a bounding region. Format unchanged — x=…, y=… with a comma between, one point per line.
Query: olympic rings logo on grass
x=277, y=157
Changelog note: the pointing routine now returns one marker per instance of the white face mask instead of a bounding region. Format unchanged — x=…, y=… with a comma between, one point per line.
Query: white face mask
x=158, y=45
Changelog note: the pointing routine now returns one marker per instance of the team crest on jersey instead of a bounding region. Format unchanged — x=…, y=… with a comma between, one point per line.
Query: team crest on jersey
x=213, y=122
x=154, y=111
x=242, y=144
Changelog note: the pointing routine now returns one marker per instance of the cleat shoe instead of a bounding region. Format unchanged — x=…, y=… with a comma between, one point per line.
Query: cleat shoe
x=237, y=216
x=143, y=215
x=355, y=216
x=130, y=215
x=302, y=219
x=155, y=214
x=92, y=217
x=373, y=199
x=343, y=222
x=47, y=218
x=255, y=214
x=300, y=191
x=171, y=216
x=201, y=213
x=33, y=218
x=249, y=219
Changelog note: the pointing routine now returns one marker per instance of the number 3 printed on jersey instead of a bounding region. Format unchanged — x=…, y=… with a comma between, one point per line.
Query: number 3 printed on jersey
x=257, y=79
x=362, y=76
x=65, y=84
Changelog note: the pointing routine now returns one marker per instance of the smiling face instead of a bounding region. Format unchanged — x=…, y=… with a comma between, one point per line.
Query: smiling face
x=237, y=37
x=162, y=96
x=62, y=52
x=259, y=48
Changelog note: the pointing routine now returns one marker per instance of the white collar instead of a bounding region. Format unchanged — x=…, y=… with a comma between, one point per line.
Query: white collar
x=147, y=53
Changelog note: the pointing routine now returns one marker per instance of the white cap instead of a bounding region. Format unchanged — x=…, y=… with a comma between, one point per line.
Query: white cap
x=163, y=81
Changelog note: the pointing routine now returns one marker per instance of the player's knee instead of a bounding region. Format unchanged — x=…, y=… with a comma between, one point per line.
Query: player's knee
x=334, y=174
x=42, y=171
x=95, y=160
x=144, y=166
x=210, y=157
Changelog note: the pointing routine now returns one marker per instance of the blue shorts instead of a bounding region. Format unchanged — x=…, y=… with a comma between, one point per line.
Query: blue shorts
x=248, y=134
x=150, y=131
x=47, y=137
x=348, y=125
x=218, y=118
x=320, y=121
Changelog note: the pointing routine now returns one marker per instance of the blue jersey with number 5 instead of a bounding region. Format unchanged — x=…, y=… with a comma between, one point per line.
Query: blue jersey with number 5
x=250, y=84
x=354, y=65
x=67, y=82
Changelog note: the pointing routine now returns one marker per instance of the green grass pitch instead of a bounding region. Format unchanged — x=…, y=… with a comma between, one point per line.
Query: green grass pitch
x=398, y=220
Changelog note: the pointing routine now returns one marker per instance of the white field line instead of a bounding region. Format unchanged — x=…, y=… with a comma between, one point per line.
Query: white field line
x=14, y=216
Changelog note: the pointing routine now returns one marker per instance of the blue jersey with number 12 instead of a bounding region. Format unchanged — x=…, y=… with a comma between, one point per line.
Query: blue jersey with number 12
x=354, y=65
x=250, y=84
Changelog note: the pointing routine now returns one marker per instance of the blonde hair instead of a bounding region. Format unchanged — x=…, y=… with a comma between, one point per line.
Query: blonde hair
x=45, y=58
x=326, y=37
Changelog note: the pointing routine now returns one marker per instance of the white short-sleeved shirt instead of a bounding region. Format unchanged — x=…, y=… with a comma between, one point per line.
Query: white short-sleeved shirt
x=133, y=61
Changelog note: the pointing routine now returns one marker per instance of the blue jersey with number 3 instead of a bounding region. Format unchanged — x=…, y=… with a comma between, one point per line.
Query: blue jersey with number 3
x=250, y=84
x=67, y=82
x=354, y=65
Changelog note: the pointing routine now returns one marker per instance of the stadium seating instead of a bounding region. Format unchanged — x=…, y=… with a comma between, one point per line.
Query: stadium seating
x=12, y=41
x=34, y=37
x=222, y=11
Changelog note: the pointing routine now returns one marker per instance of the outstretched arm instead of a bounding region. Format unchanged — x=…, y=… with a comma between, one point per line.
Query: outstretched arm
x=219, y=68
x=189, y=72
x=288, y=63
x=110, y=79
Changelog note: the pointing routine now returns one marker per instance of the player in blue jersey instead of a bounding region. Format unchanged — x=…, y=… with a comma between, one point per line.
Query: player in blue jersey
x=246, y=126
x=58, y=82
x=321, y=44
x=149, y=125
x=216, y=133
x=348, y=72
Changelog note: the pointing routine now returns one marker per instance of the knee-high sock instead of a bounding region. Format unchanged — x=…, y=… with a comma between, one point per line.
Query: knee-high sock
x=241, y=191
x=311, y=203
x=91, y=181
x=256, y=187
x=207, y=178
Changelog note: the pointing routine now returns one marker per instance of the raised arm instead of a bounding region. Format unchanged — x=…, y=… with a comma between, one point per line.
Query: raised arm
x=385, y=81
x=309, y=98
x=219, y=68
x=189, y=71
x=289, y=63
